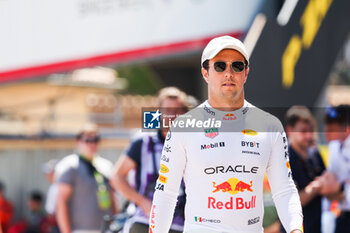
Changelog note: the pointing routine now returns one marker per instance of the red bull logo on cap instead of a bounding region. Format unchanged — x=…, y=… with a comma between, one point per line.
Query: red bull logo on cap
x=233, y=186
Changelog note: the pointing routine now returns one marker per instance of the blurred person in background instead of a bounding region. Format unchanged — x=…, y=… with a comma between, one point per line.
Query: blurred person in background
x=51, y=196
x=6, y=210
x=36, y=221
x=306, y=164
x=337, y=177
x=84, y=194
x=143, y=156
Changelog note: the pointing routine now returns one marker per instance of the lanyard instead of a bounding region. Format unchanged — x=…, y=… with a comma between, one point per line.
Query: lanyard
x=102, y=193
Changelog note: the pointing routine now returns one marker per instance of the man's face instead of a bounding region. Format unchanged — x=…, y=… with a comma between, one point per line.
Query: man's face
x=33, y=205
x=171, y=108
x=88, y=144
x=227, y=84
x=335, y=131
x=302, y=134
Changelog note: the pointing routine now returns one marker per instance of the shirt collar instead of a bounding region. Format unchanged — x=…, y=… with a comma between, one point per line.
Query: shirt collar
x=226, y=115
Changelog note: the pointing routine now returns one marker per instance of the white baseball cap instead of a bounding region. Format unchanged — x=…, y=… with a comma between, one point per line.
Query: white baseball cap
x=223, y=42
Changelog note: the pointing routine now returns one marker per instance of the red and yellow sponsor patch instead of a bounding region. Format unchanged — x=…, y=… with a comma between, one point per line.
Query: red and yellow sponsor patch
x=163, y=179
x=288, y=165
x=163, y=169
x=249, y=132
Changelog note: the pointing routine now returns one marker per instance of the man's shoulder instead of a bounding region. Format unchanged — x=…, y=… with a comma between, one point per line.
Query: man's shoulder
x=67, y=163
x=293, y=155
x=71, y=160
x=101, y=161
x=196, y=112
x=103, y=165
x=266, y=121
x=262, y=113
x=137, y=142
x=334, y=147
x=346, y=145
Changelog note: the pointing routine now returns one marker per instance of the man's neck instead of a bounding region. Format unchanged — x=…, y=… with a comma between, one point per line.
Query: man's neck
x=226, y=104
x=301, y=151
x=87, y=157
x=347, y=134
x=165, y=132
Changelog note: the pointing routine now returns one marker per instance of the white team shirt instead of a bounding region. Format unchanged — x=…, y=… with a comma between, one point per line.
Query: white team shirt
x=51, y=199
x=223, y=169
x=339, y=164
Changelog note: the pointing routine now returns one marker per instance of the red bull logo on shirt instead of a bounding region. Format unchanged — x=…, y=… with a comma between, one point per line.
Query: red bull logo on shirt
x=233, y=186
x=229, y=117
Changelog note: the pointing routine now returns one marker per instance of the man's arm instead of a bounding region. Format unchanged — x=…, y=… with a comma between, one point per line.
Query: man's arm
x=284, y=192
x=310, y=192
x=331, y=187
x=62, y=215
x=120, y=183
x=168, y=183
x=115, y=207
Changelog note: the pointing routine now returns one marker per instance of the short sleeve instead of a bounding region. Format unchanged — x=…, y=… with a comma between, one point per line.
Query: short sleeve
x=67, y=176
x=134, y=151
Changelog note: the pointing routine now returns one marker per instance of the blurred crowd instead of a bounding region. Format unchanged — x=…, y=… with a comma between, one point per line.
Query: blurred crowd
x=84, y=185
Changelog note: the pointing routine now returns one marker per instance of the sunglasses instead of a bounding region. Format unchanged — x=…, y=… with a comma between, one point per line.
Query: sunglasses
x=91, y=140
x=237, y=66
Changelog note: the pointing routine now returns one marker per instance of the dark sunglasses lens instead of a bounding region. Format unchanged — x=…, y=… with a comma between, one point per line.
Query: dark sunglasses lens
x=237, y=66
x=220, y=66
x=92, y=140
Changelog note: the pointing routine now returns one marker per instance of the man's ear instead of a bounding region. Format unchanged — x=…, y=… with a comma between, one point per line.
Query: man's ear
x=205, y=74
x=289, y=129
x=246, y=74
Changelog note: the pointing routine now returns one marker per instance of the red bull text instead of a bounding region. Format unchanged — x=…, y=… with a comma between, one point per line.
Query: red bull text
x=238, y=204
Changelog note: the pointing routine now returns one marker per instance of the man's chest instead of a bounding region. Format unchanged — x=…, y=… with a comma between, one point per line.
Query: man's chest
x=229, y=152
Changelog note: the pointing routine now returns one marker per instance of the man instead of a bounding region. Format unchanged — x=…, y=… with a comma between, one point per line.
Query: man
x=51, y=196
x=6, y=210
x=84, y=194
x=143, y=156
x=306, y=164
x=37, y=221
x=337, y=177
x=223, y=155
